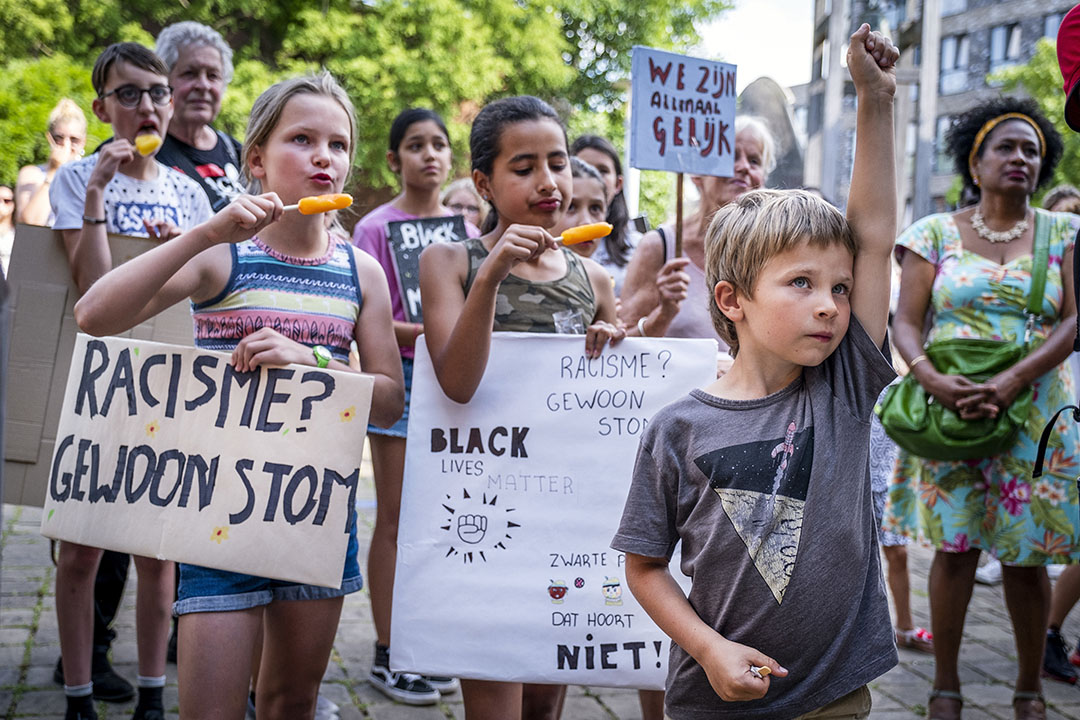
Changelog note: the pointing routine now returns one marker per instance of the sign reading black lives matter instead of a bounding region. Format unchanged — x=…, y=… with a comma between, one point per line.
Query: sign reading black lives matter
x=408, y=238
x=682, y=114
x=167, y=452
x=509, y=506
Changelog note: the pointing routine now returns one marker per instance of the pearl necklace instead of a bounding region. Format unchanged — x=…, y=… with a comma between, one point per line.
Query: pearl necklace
x=995, y=236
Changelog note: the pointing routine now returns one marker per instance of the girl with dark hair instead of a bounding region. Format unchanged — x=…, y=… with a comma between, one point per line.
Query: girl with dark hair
x=513, y=278
x=614, y=253
x=420, y=155
x=971, y=273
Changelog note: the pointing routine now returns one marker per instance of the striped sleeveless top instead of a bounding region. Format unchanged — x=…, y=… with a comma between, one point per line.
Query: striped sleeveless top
x=314, y=301
x=525, y=306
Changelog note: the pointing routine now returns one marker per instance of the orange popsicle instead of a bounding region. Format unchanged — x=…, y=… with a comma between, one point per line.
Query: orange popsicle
x=585, y=233
x=147, y=144
x=316, y=204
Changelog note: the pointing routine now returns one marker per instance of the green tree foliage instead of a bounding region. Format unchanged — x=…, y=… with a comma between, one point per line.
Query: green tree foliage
x=450, y=55
x=1040, y=78
x=29, y=90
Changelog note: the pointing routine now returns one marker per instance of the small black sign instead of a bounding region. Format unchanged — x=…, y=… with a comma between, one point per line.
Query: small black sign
x=407, y=240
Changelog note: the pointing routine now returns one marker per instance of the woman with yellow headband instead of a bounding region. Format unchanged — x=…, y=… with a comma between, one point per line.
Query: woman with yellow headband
x=968, y=274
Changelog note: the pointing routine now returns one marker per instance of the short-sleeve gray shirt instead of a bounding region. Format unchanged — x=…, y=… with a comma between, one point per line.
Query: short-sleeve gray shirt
x=771, y=500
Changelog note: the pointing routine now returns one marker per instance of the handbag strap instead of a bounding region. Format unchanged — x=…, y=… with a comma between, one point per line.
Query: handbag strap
x=1039, y=262
x=1047, y=429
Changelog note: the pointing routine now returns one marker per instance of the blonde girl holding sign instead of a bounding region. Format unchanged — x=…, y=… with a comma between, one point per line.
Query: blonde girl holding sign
x=521, y=166
x=237, y=269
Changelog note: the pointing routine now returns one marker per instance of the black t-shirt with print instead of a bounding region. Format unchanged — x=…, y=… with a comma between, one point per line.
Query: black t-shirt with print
x=217, y=170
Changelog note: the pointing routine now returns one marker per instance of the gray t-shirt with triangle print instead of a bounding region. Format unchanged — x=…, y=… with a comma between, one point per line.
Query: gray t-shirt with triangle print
x=771, y=500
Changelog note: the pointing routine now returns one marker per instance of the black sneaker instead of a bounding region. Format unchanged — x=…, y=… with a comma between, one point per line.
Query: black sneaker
x=151, y=713
x=108, y=685
x=1056, y=664
x=80, y=708
x=150, y=706
x=403, y=687
x=445, y=685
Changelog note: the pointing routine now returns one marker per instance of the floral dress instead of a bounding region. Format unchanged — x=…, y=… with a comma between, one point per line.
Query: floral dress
x=994, y=504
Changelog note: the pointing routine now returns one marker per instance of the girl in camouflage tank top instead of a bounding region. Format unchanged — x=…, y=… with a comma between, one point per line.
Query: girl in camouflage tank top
x=508, y=280
x=530, y=306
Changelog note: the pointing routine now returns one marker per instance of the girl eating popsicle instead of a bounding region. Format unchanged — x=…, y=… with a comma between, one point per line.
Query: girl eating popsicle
x=300, y=141
x=522, y=168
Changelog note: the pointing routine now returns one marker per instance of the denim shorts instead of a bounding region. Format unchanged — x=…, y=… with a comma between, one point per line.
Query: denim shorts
x=401, y=427
x=205, y=589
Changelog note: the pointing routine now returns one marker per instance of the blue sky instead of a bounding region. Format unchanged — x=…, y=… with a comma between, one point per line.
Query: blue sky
x=770, y=38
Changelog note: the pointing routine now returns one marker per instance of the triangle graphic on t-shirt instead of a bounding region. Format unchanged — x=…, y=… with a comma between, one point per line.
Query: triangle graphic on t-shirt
x=762, y=486
x=770, y=526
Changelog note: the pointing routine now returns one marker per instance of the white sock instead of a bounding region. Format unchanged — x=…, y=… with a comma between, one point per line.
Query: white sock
x=150, y=682
x=79, y=690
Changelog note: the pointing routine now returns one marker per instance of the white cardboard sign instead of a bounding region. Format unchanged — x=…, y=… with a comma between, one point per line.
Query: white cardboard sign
x=682, y=113
x=509, y=506
x=166, y=451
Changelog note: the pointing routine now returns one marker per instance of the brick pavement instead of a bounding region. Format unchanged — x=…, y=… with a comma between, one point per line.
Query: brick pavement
x=29, y=648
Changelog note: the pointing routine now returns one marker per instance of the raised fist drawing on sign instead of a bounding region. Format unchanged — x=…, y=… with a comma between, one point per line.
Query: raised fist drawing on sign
x=472, y=528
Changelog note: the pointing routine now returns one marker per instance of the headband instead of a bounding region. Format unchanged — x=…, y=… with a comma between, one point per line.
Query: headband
x=993, y=123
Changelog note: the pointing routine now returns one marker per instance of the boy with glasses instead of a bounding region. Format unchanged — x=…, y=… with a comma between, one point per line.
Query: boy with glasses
x=119, y=190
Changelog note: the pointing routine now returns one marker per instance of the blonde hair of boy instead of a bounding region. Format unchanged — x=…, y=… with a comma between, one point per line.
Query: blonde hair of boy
x=759, y=225
x=266, y=112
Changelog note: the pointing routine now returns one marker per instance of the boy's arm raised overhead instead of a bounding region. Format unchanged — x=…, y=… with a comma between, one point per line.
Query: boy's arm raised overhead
x=871, y=208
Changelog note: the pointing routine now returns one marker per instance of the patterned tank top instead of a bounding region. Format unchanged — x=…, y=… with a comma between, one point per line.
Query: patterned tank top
x=314, y=301
x=526, y=306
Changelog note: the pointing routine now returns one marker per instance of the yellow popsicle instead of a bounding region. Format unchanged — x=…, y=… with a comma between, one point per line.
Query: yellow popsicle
x=585, y=233
x=147, y=144
x=324, y=203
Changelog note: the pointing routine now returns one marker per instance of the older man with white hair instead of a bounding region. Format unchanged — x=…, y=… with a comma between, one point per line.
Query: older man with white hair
x=200, y=68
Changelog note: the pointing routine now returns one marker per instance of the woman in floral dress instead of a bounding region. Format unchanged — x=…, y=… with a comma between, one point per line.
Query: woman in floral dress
x=968, y=274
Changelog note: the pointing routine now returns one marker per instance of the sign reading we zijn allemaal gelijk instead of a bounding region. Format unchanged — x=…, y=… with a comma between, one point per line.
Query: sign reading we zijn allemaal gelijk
x=509, y=505
x=682, y=113
x=168, y=452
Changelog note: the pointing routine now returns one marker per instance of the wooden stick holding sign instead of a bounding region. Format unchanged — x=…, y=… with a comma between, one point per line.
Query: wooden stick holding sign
x=678, y=214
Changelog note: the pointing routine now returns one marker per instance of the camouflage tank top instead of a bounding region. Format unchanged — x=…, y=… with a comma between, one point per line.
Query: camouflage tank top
x=525, y=306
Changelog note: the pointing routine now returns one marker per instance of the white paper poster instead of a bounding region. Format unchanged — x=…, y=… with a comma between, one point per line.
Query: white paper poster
x=166, y=451
x=682, y=113
x=509, y=505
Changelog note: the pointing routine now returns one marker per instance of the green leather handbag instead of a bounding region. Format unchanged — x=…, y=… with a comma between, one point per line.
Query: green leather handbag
x=930, y=430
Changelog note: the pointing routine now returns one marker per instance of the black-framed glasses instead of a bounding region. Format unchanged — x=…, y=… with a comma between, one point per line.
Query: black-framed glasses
x=130, y=96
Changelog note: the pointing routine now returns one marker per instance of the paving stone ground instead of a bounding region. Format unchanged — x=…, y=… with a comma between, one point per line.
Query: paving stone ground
x=29, y=647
